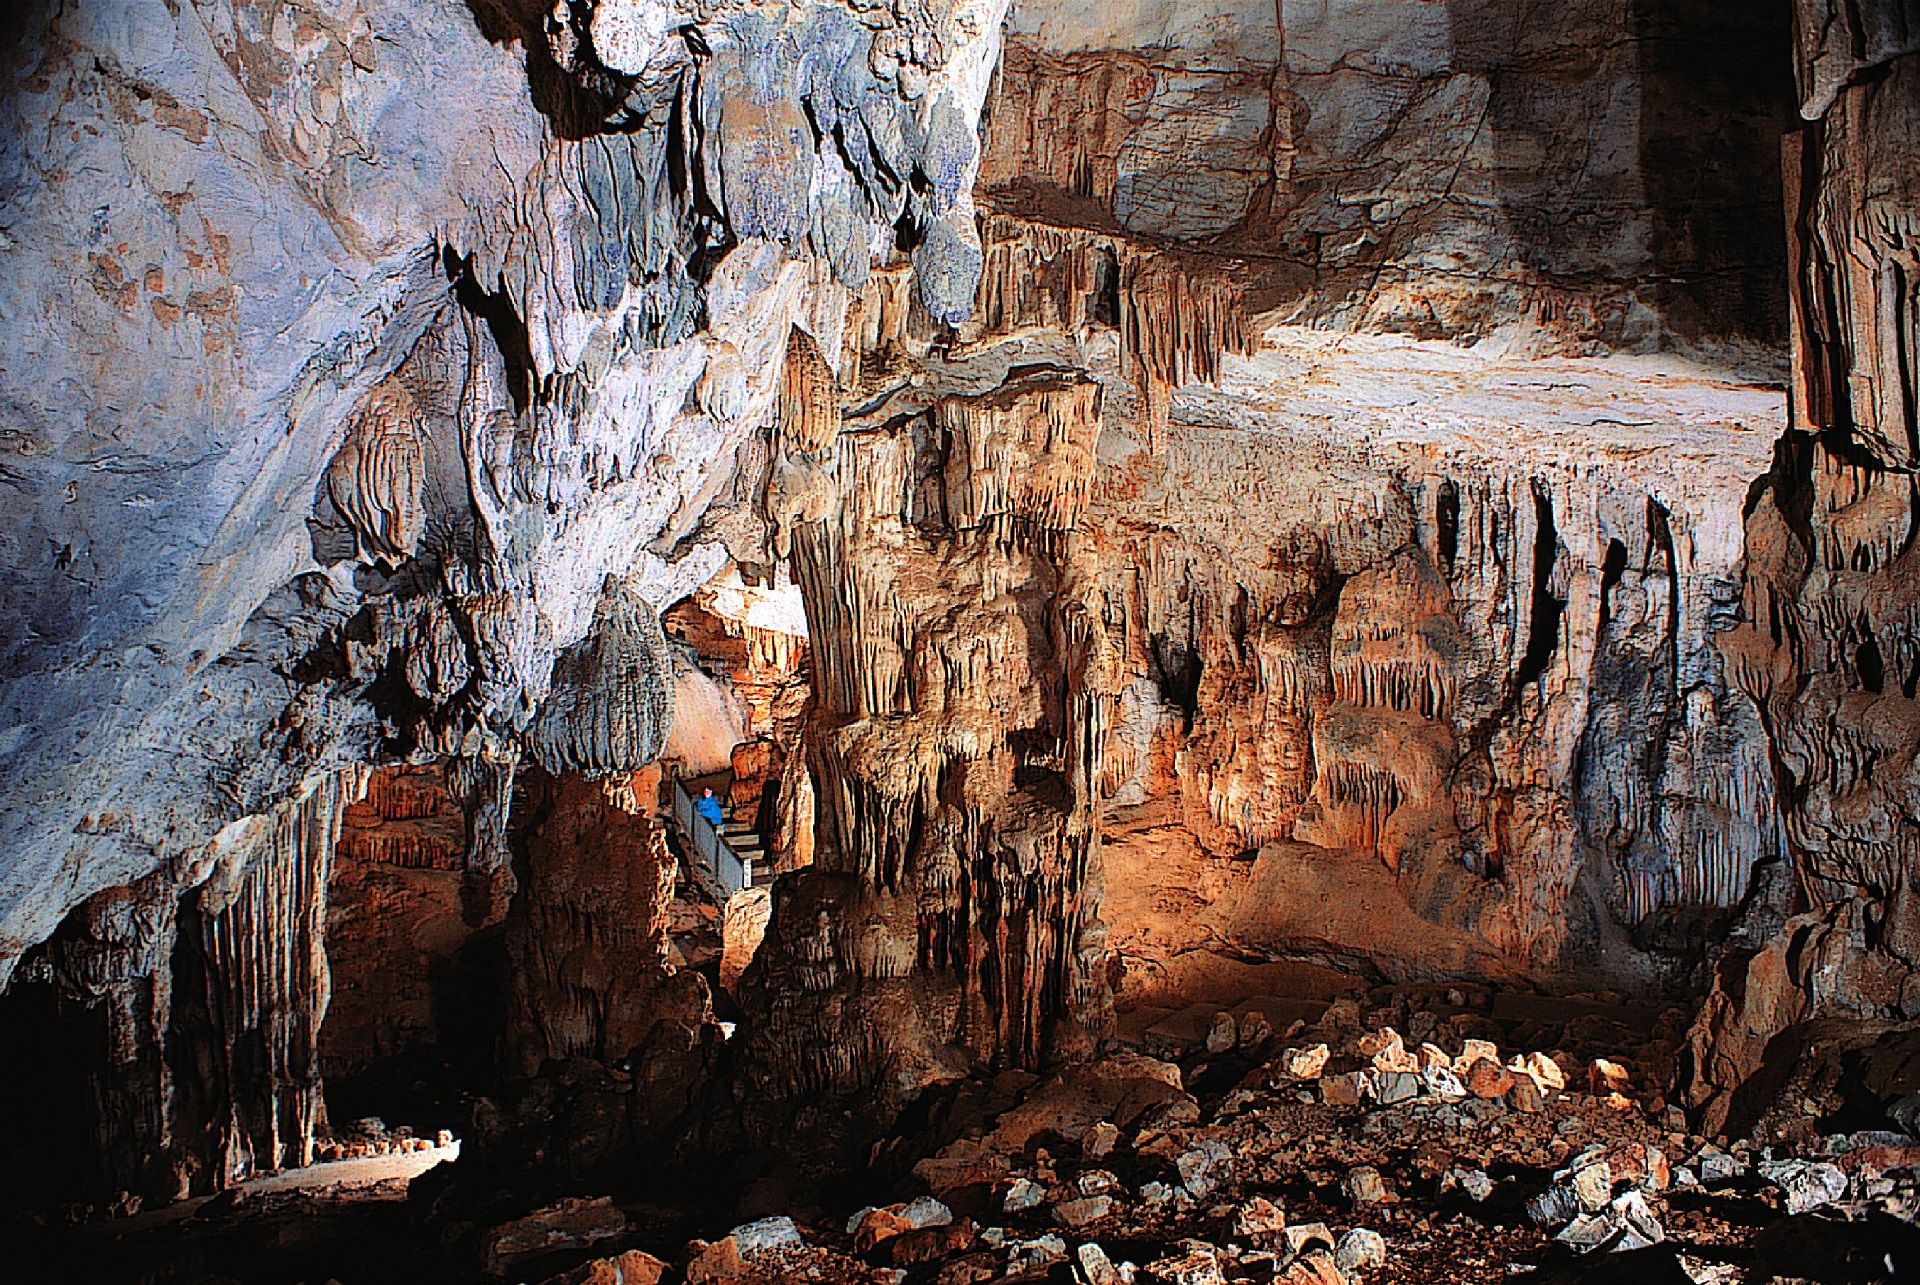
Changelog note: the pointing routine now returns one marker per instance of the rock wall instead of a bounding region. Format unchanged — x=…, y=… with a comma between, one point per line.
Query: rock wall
x=1597, y=175
x=412, y=931
x=1480, y=655
x=1336, y=430
x=1826, y=645
x=586, y=936
x=507, y=387
x=194, y=1025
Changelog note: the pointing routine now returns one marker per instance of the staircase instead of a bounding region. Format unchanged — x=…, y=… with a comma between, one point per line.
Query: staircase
x=751, y=849
x=730, y=857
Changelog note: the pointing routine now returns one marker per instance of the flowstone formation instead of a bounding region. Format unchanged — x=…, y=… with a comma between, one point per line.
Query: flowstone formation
x=1160, y=524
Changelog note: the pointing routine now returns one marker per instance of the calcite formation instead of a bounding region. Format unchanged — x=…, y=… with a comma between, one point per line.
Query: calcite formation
x=959, y=714
x=1434, y=483
x=1824, y=646
x=408, y=918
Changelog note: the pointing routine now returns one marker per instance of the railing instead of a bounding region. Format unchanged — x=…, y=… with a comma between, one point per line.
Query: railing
x=727, y=868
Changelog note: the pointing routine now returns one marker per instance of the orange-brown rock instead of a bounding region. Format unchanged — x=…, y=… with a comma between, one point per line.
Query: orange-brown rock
x=1486, y=1078
x=954, y=643
x=716, y=1263
x=403, y=911
x=930, y=1244
x=635, y=1267
x=1605, y=1077
x=1315, y=1267
x=586, y=936
x=879, y=1225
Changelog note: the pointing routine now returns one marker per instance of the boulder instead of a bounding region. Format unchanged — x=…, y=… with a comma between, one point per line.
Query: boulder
x=1390, y=1087
x=713, y=1264
x=1315, y=1267
x=1197, y=1263
x=1305, y=1064
x=1023, y=1195
x=1258, y=1218
x=1198, y=1165
x=1344, y=1090
x=1626, y=1223
x=1386, y=1052
x=1605, y=1077
x=766, y=1235
x=631, y=1268
x=1361, y=1249
x=1472, y=1183
x=1096, y=1267
x=569, y=1224
x=1085, y=1210
x=1485, y=1078
x=1365, y=1186
x=930, y=1244
x=1300, y=1237
x=1806, y=1184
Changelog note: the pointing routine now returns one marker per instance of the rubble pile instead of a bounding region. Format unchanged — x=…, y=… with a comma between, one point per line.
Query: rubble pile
x=371, y=1137
x=1334, y=1153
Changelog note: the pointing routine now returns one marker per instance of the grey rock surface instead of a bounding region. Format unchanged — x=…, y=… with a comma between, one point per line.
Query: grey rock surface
x=348, y=337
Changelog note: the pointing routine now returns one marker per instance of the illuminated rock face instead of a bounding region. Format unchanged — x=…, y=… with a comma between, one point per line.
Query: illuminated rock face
x=1345, y=439
x=1478, y=654
x=960, y=707
x=1434, y=168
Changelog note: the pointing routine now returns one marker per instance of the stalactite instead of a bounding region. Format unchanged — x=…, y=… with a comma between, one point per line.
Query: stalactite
x=377, y=480
x=438, y=663
x=483, y=786
x=610, y=707
x=1062, y=122
x=114, y=975
x=1177, y=314
x=809, y=397
x=961, y=705
x=262, y=942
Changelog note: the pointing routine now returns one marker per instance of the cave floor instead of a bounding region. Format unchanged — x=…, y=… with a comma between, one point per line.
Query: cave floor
x=1185, y=1155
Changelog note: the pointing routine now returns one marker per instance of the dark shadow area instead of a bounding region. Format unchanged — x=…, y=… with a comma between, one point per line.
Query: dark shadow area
x=508, y=329
x=1543, y=633
x=45, y=1138
x=1703, y=89
x=1717, y=96
x=572, y=110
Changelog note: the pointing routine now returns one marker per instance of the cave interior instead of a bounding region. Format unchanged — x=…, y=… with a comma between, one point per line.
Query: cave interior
x=1176, y=641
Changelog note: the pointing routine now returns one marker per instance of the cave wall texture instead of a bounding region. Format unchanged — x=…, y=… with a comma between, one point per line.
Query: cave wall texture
x=1338, y=426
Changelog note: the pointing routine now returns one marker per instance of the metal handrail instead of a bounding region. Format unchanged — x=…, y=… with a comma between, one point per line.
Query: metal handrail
x=711, y=848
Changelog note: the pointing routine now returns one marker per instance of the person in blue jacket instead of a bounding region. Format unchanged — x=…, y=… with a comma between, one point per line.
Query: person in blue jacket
x=709, y=807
